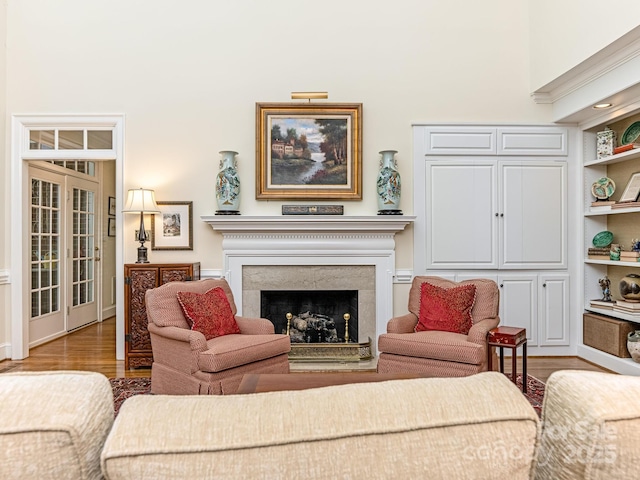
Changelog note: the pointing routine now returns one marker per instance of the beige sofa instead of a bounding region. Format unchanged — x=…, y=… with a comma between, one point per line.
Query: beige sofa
x=58, y=426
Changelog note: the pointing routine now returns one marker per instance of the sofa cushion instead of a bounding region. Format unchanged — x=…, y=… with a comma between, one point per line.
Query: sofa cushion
x=209, y=313
x=53, y=424
x=437, y=345
x=440, y=428
x=591, y=426
x=446, y=309
x=232, y=351
x=163, y=307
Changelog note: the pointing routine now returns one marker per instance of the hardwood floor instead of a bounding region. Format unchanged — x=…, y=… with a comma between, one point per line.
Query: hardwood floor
x=93, y=348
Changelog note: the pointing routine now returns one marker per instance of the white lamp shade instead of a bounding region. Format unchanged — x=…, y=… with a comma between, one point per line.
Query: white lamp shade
x=141, y=200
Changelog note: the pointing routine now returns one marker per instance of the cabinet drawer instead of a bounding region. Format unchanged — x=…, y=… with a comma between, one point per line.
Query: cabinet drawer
x=534, y=141
x=460, y=141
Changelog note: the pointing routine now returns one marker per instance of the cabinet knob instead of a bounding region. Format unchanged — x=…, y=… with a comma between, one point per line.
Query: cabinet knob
x=544, y=284
x=497, y=214
x=502, y=214
x=501, y=285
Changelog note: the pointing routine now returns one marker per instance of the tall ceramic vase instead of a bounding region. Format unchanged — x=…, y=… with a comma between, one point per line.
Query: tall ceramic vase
x=388, y=185
x=228, y=185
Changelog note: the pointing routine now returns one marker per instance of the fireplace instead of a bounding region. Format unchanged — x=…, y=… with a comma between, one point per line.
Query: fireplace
x=313, y=253
x=312, y=316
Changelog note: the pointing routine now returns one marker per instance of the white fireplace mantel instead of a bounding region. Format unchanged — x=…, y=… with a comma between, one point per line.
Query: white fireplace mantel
x=308, y=224
x=311, y=240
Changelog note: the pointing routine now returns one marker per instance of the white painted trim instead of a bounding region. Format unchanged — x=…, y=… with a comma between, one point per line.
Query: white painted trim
x=215, y=274
x=5, y=351
x=4, y=277
x=20, y=151
x=403, y=276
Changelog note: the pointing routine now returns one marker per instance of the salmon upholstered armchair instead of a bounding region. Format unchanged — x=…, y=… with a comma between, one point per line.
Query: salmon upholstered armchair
x=185, y=362
x=440, y=353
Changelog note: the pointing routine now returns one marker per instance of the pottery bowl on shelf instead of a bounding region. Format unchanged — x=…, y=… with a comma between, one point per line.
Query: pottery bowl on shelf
x=630, y=287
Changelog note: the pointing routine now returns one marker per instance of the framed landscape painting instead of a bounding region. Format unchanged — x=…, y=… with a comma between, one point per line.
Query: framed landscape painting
x=309, y=151
x=173, y=227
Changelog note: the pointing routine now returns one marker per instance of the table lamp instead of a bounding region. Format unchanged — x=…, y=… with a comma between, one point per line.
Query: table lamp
x=141, y=201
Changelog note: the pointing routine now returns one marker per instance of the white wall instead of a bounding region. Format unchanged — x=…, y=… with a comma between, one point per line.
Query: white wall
x=187, y=76
x=565, y=33
x=5, y=206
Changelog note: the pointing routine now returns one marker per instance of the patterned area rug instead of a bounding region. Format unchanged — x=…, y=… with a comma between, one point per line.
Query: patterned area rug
x=124, y=388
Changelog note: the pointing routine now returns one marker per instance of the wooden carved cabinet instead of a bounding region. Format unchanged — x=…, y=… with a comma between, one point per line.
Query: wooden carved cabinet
x=138, y=278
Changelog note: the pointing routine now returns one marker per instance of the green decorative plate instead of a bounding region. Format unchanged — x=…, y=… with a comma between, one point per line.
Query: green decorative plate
x=603, y=188
x=630, y=134
x=603, y=239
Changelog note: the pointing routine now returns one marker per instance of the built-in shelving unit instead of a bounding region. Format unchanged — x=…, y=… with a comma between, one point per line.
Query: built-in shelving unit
x=624, y=223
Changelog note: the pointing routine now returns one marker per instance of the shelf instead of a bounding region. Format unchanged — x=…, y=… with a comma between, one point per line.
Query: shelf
x=620, y=157
x=612, y=262
x=613, y=211
x=624, y=366
x=615, y=314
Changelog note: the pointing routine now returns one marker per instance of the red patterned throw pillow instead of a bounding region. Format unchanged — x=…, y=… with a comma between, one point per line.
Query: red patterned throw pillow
x=446, y=309
x=209, y=313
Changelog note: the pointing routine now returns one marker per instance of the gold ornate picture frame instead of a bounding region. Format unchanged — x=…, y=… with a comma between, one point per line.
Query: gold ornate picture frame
x=309, y=151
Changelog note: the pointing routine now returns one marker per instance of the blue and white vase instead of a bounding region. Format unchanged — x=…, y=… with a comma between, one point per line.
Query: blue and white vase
x=388, y=185
x=228, y=185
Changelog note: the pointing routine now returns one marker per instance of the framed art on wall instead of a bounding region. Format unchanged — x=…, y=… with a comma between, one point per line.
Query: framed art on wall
x=111, y=227
x=173, y=227
x=112, y=206
x=309, y=151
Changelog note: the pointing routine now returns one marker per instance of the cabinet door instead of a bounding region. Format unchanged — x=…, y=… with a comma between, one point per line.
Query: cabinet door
x=141, y=279
x=533, y=211
x=554, y=309
x=461, y=201
x=519, y=304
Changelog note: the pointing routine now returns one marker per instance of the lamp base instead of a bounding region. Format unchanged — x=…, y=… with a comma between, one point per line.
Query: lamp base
x=142, y=255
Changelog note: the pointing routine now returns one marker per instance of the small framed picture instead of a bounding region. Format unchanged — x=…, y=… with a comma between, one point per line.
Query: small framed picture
x=173, y=227
x=111, y=227
x=632, y=190
x=112, y=206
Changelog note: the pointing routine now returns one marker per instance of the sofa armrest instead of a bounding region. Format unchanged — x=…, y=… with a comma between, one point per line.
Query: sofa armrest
x=194, y=339
x=255, y=326
x=478, y=332
x=403, y=324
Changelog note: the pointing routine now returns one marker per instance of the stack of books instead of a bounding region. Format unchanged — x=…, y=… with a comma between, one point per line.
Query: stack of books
x=602, y=303
x=599, y=253
x=629, y=256
x=625, y=148
x=626, y=205
x=600, y=205
x=630, y=308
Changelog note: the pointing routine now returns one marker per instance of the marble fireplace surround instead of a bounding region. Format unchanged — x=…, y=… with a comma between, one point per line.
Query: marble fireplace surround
x=321, y=247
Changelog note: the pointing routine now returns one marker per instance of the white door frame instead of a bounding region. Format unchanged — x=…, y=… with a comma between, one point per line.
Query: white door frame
x=20, y=155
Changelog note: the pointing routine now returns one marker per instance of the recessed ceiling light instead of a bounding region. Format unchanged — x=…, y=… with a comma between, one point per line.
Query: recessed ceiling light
x=603, y=105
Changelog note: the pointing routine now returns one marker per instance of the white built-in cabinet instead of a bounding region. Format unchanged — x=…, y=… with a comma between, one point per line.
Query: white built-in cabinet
x=491, y=202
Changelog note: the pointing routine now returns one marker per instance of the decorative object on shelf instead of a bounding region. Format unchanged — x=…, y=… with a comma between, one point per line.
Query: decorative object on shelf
x=605, y=285
x=173, y=229
x=606, y=142
x=625, y=148
x=635, y=245
x=630, y=287
x=141, y=201
x=603, y=239
x=309, y=151
x=632, y=190
x=389, y=185
x=631, y=134
x=614, y=252
x=603, y=188
x=312, y=210
x=228, y=184
x=633, y=345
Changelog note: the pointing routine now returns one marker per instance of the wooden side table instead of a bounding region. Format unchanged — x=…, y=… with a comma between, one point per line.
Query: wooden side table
x=509, y=337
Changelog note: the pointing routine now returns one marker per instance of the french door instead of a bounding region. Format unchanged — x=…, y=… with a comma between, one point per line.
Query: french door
x=63, y=248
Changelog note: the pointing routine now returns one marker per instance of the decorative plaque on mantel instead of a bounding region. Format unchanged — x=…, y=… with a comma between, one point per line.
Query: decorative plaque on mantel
x=312, y=210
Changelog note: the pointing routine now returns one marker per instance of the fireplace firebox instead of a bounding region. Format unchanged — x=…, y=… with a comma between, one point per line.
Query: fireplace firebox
x=312, y=316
